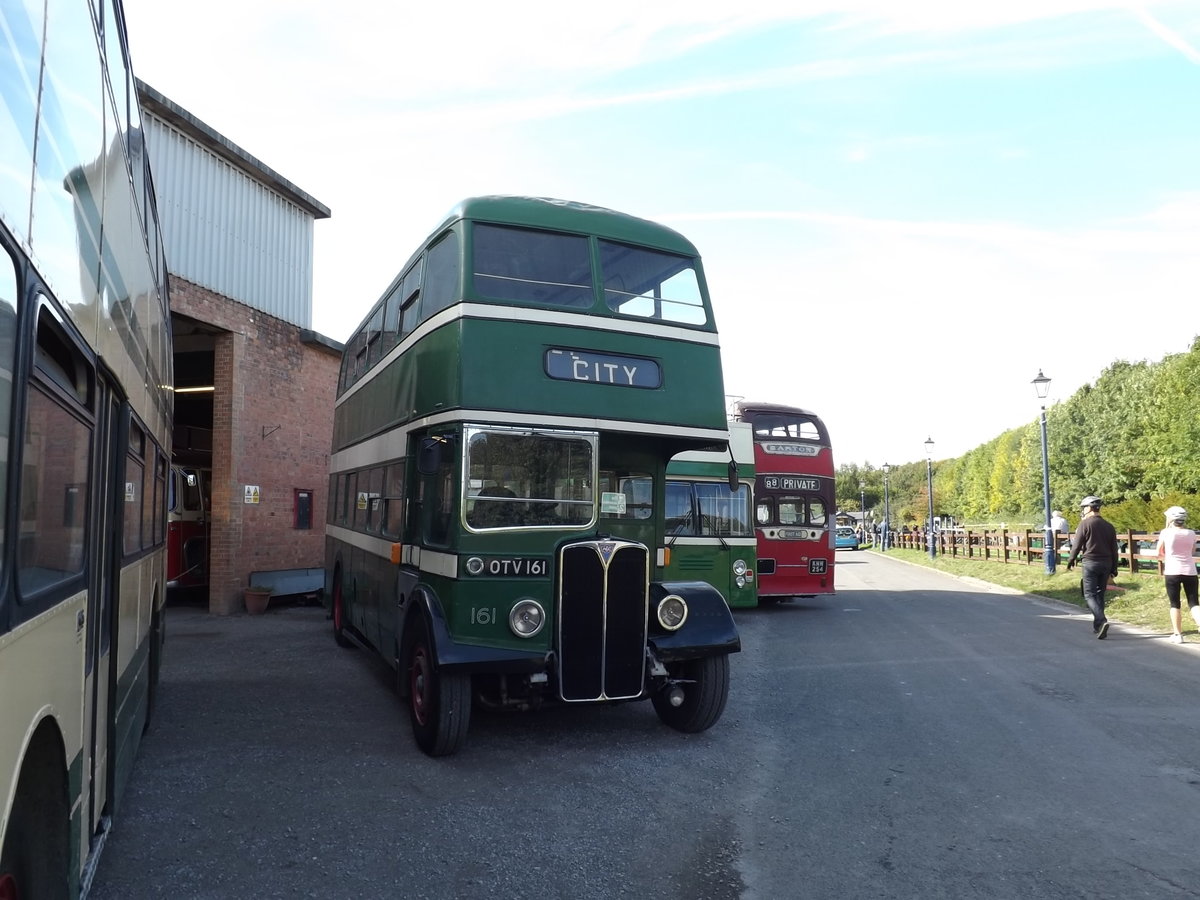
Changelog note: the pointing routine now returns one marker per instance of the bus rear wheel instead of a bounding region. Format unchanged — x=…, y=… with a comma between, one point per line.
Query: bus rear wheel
x=439, y=702
x=705, y=686
x=339, y=613
x=156, y=640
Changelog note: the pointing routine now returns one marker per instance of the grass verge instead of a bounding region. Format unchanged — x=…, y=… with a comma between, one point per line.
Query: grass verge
x=1136, y=600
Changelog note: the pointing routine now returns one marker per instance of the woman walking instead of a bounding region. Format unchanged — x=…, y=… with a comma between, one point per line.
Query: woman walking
x=1176, y=545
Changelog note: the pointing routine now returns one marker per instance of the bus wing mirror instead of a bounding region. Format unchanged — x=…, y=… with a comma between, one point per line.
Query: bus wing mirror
x=733, y=477
x=429, y=457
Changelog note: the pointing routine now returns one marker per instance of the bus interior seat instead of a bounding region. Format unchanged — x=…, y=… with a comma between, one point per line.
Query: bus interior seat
x=491, y=514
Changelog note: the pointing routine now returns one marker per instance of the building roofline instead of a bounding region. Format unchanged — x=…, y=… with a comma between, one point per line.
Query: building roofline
x=205, y=135
x=320, y=341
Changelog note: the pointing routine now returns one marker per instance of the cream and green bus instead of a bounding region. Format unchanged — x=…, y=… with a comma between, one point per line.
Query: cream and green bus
x=710, y=518
x=85, y=413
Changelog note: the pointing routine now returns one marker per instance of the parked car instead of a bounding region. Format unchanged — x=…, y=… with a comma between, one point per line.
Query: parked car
x=846, y=537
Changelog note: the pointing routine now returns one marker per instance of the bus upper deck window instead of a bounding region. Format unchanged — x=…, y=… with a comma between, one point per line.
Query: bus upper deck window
x=651, y=284
x=533, y=266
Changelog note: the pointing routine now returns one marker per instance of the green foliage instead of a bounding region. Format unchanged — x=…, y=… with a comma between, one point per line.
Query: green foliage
x=1132, y=438
x=846, y=487
x=1138, y=514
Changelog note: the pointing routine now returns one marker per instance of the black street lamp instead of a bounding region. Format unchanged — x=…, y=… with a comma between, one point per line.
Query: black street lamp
x=1041, y=384
x=929, y=475
x=862, y=510
x=887, y=512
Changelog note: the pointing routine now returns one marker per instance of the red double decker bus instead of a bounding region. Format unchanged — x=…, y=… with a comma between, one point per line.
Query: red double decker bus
x=188, y=522
x=794, y=500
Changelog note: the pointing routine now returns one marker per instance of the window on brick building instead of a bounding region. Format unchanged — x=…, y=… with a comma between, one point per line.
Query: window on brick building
x=303, y=507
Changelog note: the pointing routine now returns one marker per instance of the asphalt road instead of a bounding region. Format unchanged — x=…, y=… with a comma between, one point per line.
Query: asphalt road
x=914, y=735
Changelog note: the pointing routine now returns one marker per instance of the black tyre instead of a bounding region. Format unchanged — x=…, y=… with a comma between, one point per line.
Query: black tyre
x=439, y=702
x=156, y=640
x=34, y=861
x=339, y=613
x=705, y=684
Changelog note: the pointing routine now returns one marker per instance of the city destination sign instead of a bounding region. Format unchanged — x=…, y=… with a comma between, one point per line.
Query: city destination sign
x=602, y=368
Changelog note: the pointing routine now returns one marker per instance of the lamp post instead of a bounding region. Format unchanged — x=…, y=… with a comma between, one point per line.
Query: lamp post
x=887, y=512
x=929, y=475
x=1041, y=384
x=862, y=510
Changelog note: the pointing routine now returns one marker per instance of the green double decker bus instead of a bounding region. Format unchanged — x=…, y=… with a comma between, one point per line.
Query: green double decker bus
x=710, y=524
x=504, y=420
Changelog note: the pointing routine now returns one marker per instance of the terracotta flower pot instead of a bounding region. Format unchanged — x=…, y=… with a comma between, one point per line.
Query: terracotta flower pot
x=256, y=601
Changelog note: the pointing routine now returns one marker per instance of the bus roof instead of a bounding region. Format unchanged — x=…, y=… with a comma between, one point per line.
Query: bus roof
x=740, y=449
x=743, y=407
x=569, y=215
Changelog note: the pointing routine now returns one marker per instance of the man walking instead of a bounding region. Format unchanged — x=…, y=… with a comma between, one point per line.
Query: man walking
x=1096, y=542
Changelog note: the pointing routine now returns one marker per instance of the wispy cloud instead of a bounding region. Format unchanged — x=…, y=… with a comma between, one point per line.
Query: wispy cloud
x=1171, y=37
x=968, y=303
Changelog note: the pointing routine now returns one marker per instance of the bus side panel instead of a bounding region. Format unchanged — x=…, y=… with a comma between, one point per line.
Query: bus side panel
x=434, y=376
x=379, y=575
x=40, y=680
x=132, y=661
x=691, y=389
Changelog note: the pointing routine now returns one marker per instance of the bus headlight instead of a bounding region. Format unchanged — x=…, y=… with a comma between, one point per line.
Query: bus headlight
x=672, y=612
x=740, y=581
x=526, y=618
x=739, y=567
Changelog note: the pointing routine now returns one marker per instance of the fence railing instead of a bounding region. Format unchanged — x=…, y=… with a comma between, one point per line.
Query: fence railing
x=1026, y=547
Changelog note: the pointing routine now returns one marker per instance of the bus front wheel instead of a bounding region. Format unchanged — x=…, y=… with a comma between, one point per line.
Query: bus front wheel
x=439, y=702
x=705, y=686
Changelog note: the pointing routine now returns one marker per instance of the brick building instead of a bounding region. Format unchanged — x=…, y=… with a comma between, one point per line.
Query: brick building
x=254, y=384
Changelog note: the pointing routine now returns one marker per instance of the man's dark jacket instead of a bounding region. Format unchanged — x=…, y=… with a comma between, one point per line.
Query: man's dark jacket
x=1096, y=541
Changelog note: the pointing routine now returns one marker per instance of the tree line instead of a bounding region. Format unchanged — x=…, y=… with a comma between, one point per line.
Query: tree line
x=1132, y=438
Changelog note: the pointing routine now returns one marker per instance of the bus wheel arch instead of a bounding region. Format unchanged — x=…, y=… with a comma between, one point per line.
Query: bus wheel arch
x=438, y=699
x=35, y=858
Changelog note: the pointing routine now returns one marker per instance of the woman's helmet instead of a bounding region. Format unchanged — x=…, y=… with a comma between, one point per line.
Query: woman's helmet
x=1176, y=514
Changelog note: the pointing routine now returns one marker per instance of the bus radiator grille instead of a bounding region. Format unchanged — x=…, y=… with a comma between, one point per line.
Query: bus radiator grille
x=603, y=597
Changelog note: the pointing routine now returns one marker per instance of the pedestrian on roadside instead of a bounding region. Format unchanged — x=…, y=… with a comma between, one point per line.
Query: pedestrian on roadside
x=1176, y=545
x=1096, y=542
x=1058, y=523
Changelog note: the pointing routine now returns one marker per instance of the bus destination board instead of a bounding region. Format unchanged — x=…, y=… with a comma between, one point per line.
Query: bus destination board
x=788, y=483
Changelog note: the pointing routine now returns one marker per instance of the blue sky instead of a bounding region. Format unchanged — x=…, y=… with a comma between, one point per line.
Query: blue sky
x=905, y=209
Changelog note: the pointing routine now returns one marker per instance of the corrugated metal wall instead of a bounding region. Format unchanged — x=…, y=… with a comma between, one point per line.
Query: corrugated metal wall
x=227, y=232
